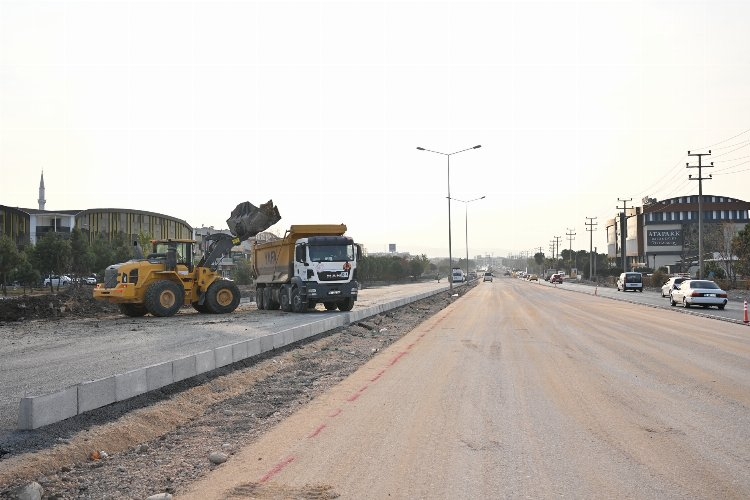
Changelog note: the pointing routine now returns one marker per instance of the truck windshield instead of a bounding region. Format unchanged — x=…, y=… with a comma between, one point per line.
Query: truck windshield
x=331, y=253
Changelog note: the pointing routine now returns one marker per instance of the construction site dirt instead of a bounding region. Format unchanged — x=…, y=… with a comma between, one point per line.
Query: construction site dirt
x=163, y=440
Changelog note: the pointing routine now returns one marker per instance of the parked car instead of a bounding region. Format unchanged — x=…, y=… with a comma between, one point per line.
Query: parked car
x=703, y=293
x=671, y=284
x=487, y=277
x=90, y=280
x=630, y=281
x=55, y=280
x=533, y=277
x=556, y=278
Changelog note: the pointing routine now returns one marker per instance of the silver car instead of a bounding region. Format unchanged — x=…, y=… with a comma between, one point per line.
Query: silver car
x=670, y=285
x=698, y=293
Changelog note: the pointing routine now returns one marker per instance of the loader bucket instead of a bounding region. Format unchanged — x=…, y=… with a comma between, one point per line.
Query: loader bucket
x=247, y=220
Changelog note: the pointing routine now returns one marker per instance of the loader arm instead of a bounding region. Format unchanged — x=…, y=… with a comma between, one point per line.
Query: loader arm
x=218, y=245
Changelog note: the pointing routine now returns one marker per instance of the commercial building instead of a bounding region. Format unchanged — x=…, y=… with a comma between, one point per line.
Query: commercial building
x=665, y=233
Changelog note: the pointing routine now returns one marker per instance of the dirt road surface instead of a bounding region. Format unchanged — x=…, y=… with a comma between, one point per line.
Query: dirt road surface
x=509, y=390
x=69, y=338
x=521, y=391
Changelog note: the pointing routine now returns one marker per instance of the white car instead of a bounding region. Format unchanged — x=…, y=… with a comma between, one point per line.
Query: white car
x=703, y=293
x=91, y=280
x=670, y=285
x=55, y=280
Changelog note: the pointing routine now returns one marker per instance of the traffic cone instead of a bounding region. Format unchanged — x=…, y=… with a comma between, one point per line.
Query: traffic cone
x=746, y=320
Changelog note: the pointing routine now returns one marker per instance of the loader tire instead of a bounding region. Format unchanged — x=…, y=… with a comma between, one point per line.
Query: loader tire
x=164, y=298
x=222, y=297
x=201, y=308
x=133, y=310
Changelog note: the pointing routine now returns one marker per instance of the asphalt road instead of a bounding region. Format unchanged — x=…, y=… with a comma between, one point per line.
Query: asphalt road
x=734, y=310
x=42, y=356
x=520, y=390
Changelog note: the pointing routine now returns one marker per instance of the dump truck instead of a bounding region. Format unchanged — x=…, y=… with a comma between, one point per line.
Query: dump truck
x=312, y=264
x=167, y=278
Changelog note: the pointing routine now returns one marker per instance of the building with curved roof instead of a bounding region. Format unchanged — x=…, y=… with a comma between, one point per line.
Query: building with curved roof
x=663, y=233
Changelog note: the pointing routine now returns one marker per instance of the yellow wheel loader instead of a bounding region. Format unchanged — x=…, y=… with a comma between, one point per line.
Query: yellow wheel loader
x=167, y=278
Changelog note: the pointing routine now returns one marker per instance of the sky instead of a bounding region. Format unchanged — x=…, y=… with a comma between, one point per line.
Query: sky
x=189, y=108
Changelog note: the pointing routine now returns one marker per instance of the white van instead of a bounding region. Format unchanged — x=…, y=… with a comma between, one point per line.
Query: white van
x=630, y=281
x=457, y=276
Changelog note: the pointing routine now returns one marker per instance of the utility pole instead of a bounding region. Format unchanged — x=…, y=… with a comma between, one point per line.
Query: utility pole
x=700, y=180
x=590, y=228
x=570, y=255
x=557, y=248
x=624, y=231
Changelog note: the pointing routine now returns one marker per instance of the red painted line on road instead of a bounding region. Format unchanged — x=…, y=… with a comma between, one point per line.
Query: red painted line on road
x=376, y=377
x=276, y=469
x=357, y=395
x=397, y=358
x=317, y=431
x=336, y=413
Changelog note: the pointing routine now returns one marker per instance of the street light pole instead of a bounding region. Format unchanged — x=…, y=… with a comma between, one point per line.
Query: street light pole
x=466, y=226
x=450, y=254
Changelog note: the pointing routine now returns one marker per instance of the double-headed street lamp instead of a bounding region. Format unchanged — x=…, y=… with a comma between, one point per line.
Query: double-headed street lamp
x=466, y=225
x=450, y=254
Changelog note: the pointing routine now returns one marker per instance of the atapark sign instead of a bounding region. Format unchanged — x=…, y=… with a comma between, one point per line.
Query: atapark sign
x=664, y=238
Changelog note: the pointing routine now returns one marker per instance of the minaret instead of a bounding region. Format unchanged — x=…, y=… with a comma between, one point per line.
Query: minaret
x=41, y=199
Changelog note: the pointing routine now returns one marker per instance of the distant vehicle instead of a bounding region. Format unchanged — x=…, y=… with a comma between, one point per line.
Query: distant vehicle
x=533, y=277
x=472, y=275
x=487, y=277
x=671, y=284
x=556, y=278
x=457, y=276
x=506, y=273
x=703, y=293
x=90, y=280
x=55, y=280
x=630, y=281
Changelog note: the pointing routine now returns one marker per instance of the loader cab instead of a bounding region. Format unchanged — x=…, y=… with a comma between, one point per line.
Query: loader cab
x=173, y=253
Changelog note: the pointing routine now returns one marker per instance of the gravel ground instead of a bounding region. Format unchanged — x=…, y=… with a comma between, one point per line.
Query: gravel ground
x=164, y=440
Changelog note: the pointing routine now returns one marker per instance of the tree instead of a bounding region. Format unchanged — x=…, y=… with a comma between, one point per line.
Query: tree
x=104, y=256
x=52, y=255
x=82, y=258
x=741, y=249
x=242, y=273
x=539, y=259
x=9, y=259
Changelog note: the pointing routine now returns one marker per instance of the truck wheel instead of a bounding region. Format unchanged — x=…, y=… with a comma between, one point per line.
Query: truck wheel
x=133, y=310
x=284, y=300
x=271, y=304
x=259, y=299
x=330, y=306
x=346, y=305
x=299, y=305
x=222, y=297
x=164, y=298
